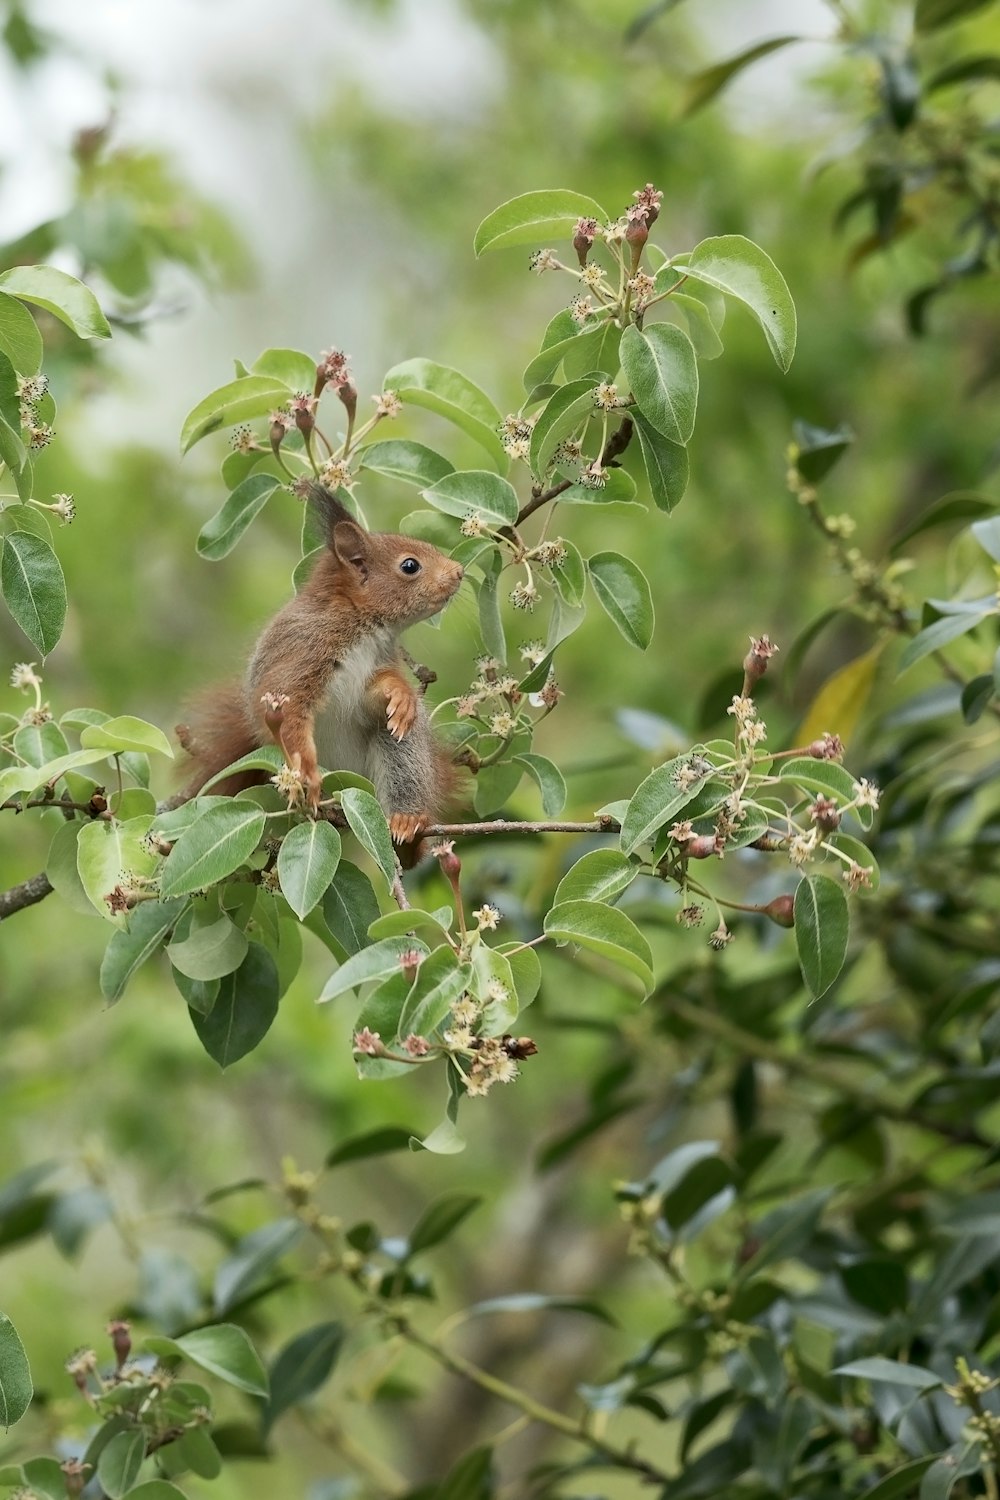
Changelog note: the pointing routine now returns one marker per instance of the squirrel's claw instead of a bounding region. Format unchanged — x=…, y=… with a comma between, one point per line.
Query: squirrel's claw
x=400, y=711
x=405, y=827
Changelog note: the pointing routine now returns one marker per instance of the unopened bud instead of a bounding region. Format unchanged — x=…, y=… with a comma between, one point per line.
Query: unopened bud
x=274, y=717
x=825, y=814
x=451, y=865
x=75, y=1474
x=303, y=408
x=276, y=433
x=519, y=1047
x=348, y=393
x=781, y=911
x=704, y=846
x=756, y=660
x=583, y=238
x=829, y=747
x=120, y=1332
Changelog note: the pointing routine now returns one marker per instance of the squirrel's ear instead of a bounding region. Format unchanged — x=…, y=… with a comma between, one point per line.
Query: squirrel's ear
x=351, y=543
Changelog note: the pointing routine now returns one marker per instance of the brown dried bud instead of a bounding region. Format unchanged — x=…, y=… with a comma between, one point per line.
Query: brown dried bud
x=276, y=433
x=348, y=393
x=825, y=814
x=781, y=910
x=303, y=410
x=756, y=660
x=120, y=900
x=829, y=747
x=274, y=717
x=98, y=802
x=120, y=1332
x=583, y=237
x=451, y=865
x=519, y=1047
x=704, y=846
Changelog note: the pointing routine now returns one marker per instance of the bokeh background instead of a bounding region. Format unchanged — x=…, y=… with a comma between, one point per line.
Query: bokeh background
x=231, y=176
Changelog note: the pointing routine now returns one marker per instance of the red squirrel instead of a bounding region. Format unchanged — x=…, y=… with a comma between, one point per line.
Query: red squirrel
x=327, y=678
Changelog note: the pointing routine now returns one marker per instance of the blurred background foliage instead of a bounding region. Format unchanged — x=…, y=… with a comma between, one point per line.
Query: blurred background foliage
x=233, y=181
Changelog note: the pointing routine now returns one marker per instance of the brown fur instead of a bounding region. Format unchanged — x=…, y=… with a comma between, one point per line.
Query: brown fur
x=332, y=655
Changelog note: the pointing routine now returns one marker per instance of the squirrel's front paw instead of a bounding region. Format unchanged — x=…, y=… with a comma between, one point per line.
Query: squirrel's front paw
x=312, y=785
x=405, y=827
x=400, y=709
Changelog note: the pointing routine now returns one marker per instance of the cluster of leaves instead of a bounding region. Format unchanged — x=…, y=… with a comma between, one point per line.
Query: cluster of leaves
x=918, y=161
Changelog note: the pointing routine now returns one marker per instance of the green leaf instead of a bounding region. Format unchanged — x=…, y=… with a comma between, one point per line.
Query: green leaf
x=458, y=494
x=238, y=401
x=962, y=505
x=891, y=1371
x=38, y=744
x=350, y=906
x=253, y=1258
x=15, y=1377
x=63, y=296
x=662, y=372
x=266, y=758
x=656, y=802
x=125, y=733
x=939, y=634
x=307, y=862
x=623, y=590
x=473, y=1477
x=292, y=367
x=212, y=946
x=549, y=781
x=579, y=350
x=531, y=1302
x=105, y=850
x=410, y=462
x=368, y=823
x=20, y=339
x=703, y=86
x=490, y=618
x=437, y=388
x=444, y=1140
x=62, y=872
x=604, y=930
x=735, y=265
x=378, y=1142
x=301, y=1368
x=966, y=70
x=822, y=925
x=131, y=946
x=377, y=961
x=215, y=845
x=34, y=587
x=601, y=875
x=700, y=328
x=223, y=1350
x=157, y=1489
x=219, y=536
x=932, y=14
x=440, y=980
x=619, y=489
x=665, y=462
x=120, y=1461
x=436, y=924
x=565, y=411
x=900, y=1484
x=244, y=1009
x=817, y=450
x=440, y=1220
x=987, y=534
x=547, y=213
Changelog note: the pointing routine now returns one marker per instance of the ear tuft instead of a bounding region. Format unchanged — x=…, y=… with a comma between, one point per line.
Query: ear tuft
x=351, y=543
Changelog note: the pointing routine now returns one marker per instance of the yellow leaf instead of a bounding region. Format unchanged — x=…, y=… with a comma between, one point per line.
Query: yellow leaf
x=841, y=700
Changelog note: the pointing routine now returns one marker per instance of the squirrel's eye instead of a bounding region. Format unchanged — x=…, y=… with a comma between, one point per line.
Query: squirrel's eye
x=409, y=565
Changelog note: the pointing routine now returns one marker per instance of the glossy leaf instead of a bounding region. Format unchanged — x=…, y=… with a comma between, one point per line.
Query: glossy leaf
x=378, y=1142
x=294, y=368
x=549, y=780
x=307, y=862
x=624, y=592
x=822, y=925
x=565, y=411
x=368, y=823
x=657, y=801
x=119, y=1464
x=223, y=1350
x=20, y=339
x=842, y=699
x=219, y=536
x=34, y=588
x=410, y=462
x=440, y=981
x=531, y=218
x=475, y=490
x=349, y=907
x=126, y=733
x=437, y=388
x=937, y=635
x=662, y=371
x=210, y=948
x=107, y=850
x=735, y=265
x=130, y=947
x=604, y=930
x=244, y=1009
x=890, y=1371
x=601, y=875
x=301, y=1368
x=238, y=401
x=15, y=1376
x=215, y=845
x=666, y=463
x=63, y=296
x=375, y=962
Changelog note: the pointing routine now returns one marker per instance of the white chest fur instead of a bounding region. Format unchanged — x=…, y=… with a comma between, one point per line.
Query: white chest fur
x=341, y=739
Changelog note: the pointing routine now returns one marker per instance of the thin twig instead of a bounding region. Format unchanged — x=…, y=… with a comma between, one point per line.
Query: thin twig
x=613, y=448
x=28, y=893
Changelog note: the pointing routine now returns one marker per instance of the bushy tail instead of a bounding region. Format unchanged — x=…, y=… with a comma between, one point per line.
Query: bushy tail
x=217, y=733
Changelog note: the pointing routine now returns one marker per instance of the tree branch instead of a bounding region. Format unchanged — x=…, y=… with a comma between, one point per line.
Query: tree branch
x=28, y=893
x=613, y=448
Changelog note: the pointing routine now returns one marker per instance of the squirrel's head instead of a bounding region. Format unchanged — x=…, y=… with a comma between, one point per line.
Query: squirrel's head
x=398, y=578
